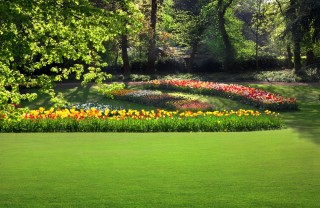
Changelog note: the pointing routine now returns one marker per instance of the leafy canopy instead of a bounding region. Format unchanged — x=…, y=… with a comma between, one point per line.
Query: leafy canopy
x=63, y=36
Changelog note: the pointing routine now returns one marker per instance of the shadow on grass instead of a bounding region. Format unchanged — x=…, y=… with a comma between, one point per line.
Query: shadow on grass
x=306, y=121
x=80, y=94
x=73, y=94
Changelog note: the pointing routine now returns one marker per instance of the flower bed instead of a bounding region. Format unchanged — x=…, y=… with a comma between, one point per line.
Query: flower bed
x=93, y=120
x=248, y=95
x=162, y=100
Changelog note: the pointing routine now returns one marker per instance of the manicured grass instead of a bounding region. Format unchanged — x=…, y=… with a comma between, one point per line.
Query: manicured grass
x=258, y=169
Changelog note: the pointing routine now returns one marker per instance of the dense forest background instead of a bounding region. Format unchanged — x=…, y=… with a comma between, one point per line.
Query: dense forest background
x=43, y=41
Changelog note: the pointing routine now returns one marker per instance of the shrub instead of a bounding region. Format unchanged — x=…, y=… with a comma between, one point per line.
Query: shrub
x=311, y=73
x=171, y=65
x=139, y=77
x=264, y=63
x=139, y=67
x=277, y=76
x=208, y=66
x=98, y=106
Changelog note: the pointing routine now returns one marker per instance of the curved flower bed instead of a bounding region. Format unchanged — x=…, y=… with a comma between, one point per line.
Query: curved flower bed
x=162, y=100
x=93, y=120
x=248, y=95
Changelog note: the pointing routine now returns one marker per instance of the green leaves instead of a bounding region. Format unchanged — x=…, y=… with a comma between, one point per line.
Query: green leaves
x=44, y=41
x=107, y=89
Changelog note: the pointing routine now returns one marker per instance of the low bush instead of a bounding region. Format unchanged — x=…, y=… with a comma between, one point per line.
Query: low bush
x=311, y=73
x=72, y=120
x=264, y=63
x=208, y=66
x=98, y=106
x=171, y=65
x=276, y=76
x=139, y=77
x=139, y=67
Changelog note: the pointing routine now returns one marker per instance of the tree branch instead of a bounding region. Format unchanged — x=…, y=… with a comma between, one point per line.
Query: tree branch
x=280, y=7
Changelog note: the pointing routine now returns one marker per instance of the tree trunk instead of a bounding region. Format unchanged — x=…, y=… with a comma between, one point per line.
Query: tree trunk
x=229, y=53
x=192, y=56
x=296, y=35
x=125, y=57
x=152, y=52
x=257, y=48
x=297, y=56
x=116, y=59
x=289, y=57
x=258, y=24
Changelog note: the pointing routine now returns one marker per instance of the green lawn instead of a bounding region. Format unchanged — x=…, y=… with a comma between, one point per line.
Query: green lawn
x=257, y=169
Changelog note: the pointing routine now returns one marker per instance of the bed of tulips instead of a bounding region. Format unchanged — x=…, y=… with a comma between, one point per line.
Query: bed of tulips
x=248, y=95
x=159, y=99
x=93, y=120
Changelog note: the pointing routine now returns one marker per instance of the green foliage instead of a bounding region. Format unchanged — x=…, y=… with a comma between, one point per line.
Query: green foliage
x=66, y=37
x=185, y=23
x=107, y=89
x=213, y=42
x=293, y=24
x=174, y=124
x=139, y=77
x=234, y=26
x=277, y=76
x=244, y=48
x=311, y=73
x=11, y=113
x=179, y=77
x=167, y=16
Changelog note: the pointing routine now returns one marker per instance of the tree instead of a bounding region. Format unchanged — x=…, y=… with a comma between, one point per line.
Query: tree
x=125, y=57
x=303, y=20
x=125, y=44
x=152, y=50
x=294, y=25
x=43, y=41
x=216, y=11
x=127, y=8
x=190, y=26
x=253, y=14
x=229, y=56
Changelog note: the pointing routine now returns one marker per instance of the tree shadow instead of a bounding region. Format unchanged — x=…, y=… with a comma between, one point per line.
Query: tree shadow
x=80, y=94
x=76, y=93
x=305, y=121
